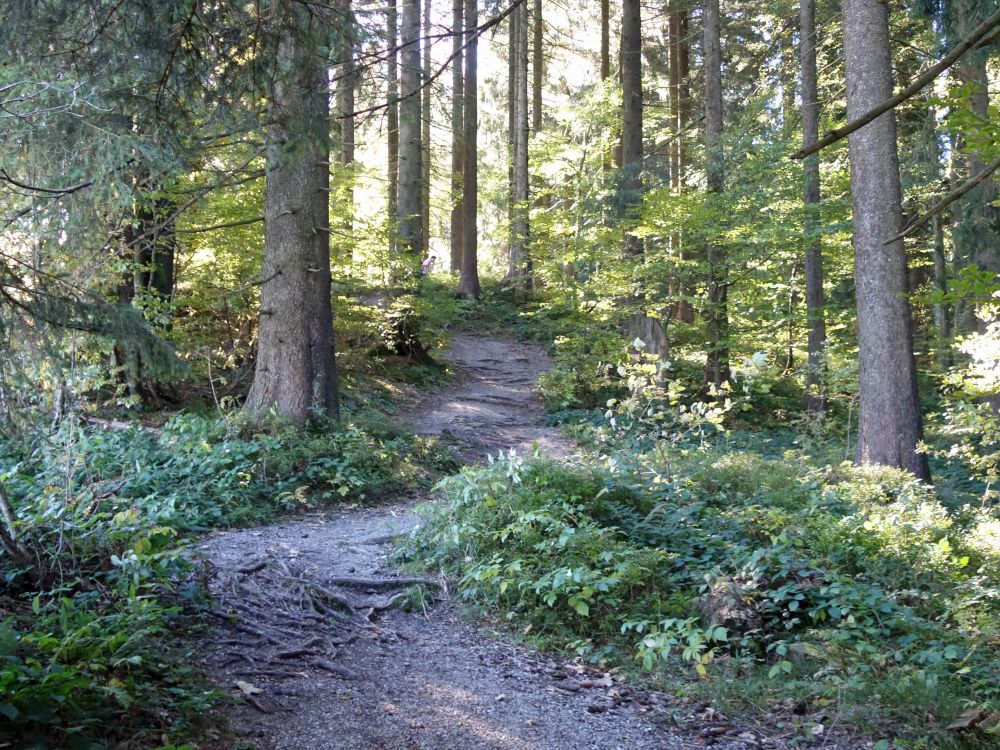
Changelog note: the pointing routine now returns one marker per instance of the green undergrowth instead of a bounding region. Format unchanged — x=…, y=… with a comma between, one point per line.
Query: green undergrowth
x=89, y=612
x=752, y=579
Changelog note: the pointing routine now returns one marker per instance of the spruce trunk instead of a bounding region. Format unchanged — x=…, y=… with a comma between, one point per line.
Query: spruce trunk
x=468, y=285
x=295, y=371
x=717, y=312
x=815, y=400
x=457, y=126
x=409, y=212
x=890, y=424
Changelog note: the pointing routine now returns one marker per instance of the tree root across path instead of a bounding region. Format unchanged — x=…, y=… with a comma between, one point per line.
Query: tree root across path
x=277, y=623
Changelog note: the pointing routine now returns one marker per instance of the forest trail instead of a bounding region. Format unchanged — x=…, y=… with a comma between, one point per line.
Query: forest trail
x=388, y=679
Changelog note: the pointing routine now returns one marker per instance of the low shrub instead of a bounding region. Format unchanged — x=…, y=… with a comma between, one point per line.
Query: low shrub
x=853, y=577
x=95, y=578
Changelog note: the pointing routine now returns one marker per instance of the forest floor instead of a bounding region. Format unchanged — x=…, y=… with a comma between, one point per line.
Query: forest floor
x=312, y=647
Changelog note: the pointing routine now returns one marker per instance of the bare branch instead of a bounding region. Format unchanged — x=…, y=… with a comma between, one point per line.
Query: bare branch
x=950, y=198
x=920, y=82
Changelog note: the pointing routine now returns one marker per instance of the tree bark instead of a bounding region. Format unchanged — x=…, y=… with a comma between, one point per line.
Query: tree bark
x=685, y=309
x=605, y=39
x=392, y=118
x=295, y=371
x=457, y=128
x=674, y=96
x=942, y=322
x=409, y=210
x=345, y=108
x=890, y=424
x=815, y=400
x=717, y=313
x=468, y=284
x=537, y=66
x=425, y=135
x=978, y=231
x=517, y=272
x=631, y=122
x=154, y=253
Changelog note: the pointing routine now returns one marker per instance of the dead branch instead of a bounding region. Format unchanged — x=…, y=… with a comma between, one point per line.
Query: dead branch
x=942, y=204
x=329, y=666
x=919, y=83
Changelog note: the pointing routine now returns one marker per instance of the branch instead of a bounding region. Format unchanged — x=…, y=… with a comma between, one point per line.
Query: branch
x=51, y=191
x=950, y=198
x=478, y=33
x=925, y=78
x=226, y=225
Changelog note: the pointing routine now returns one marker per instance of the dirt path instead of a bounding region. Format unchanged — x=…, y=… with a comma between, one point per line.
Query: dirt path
x=387, y=679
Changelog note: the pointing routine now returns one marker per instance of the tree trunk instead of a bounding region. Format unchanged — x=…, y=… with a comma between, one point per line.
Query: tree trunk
x=815, y=400
x=977, y=233
x=425, y=135
x=408, y=207
x=890, y=424
x=674, y=96
x=392, y=118
x=154, y=248
x=941, y=319
x=717, y=313
x=512, y=73
x=468, y=285
x=605, y=39
x=639, y=325
x=345, y=109
x=537, y=67
x=295, y=371
x=517, y=272
x=631, y=122
x=457, y=127
x=685, y=309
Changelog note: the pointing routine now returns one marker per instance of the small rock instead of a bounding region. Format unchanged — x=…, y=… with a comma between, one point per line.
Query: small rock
x=570, y=686
x=501, y=698
x=596, y=708
x=586, y=683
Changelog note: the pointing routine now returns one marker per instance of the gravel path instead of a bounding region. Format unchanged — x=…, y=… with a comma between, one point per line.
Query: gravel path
x=425, y=679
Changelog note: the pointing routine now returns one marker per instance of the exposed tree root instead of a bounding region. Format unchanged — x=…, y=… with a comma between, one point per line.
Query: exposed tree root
x=382, y=583
x=277, y=624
